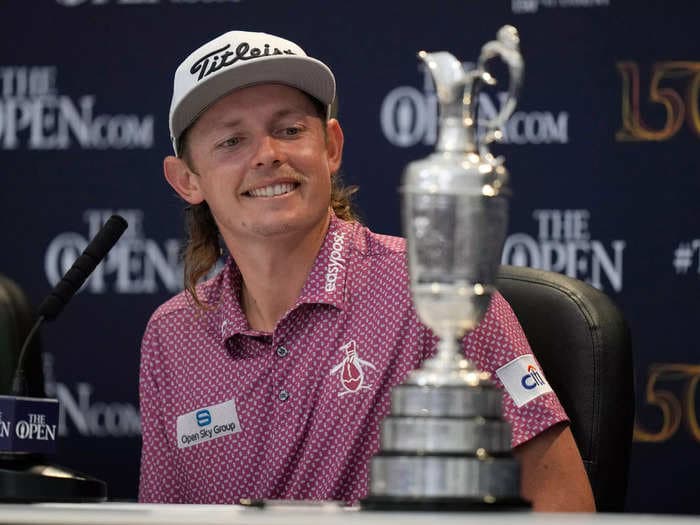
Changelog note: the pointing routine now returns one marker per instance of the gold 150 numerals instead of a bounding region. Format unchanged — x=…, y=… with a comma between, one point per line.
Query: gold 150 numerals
x=674, y=408
x=674, y=86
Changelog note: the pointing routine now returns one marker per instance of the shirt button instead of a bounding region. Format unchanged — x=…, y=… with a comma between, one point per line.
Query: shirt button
x=283, y=395
x=282, y=351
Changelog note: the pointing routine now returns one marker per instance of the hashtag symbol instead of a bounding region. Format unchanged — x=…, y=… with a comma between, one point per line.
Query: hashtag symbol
x=683, y=258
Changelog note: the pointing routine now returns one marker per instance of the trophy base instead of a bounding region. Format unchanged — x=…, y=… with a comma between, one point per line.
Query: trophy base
x=399, y=504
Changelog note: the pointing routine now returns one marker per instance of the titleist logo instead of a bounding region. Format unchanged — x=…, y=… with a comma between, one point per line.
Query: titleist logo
x=224, y=57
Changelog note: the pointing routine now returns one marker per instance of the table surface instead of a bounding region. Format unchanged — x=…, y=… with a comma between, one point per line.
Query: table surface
x=299, y=514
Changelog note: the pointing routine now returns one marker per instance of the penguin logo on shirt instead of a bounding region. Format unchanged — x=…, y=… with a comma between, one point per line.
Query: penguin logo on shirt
x=352, y=375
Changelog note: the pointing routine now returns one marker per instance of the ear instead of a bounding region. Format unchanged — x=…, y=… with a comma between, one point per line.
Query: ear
x=334, y=144
x=183, y=180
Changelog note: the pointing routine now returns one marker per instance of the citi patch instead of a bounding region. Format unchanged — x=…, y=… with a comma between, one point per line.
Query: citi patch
x=205, y=424
x=523, y=379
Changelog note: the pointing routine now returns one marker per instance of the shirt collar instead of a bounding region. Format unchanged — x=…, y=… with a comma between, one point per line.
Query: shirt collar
x=233, y=320
x=326, y=283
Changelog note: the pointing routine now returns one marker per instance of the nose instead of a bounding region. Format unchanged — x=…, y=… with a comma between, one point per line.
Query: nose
x=268, y=153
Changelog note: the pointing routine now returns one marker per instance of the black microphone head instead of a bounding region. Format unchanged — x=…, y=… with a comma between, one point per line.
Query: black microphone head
x=107, y=237
x=74, y=278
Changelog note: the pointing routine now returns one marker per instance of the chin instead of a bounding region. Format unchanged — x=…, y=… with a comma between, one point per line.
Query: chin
x=290, y=226
x=271, y=230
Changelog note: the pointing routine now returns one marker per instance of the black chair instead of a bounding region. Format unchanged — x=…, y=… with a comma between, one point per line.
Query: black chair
x=16, y=319
x=582, y=343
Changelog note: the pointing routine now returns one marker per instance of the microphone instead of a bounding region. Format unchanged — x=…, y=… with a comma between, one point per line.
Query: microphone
x=71, y=282
x=74, y=278
x=28, y=425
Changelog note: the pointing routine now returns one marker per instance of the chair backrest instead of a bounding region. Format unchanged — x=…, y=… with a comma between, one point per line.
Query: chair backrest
x=582, y=343
x=16, y=320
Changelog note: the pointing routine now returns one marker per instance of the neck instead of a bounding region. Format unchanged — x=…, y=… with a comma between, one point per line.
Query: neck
x=274, y=272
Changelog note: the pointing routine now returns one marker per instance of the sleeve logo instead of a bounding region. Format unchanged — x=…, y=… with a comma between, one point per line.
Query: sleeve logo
x=523, y=379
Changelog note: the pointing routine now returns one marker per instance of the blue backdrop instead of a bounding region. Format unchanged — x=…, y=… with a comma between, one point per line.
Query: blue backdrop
x=601, y=149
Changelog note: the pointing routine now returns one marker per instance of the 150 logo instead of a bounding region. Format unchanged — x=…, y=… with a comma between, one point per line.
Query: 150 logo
x=673, y=92
x=675, y=404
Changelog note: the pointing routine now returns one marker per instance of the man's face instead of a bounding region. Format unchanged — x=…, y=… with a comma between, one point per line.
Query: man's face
x=263, y=162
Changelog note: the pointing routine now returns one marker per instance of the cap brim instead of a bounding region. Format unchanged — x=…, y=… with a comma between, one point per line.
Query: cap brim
x=304, y=73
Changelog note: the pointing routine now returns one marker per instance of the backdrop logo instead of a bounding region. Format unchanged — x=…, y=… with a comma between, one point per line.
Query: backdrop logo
x=671, y=101
x=136, y=264
x=685, y=255
x=74, y=3
x=563, y=245
x=409, y=116
x=35, y=116
x=80, y=412
x=531, y=6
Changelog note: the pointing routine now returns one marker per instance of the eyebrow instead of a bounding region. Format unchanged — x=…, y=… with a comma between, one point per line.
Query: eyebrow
x=276, y=115
x=226, y=124
x=285, y=112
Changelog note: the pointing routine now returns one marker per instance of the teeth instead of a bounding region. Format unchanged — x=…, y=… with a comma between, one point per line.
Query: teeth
x=273, y=190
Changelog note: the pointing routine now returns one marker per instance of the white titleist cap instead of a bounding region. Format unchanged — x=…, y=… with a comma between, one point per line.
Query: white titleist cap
x=238, y=59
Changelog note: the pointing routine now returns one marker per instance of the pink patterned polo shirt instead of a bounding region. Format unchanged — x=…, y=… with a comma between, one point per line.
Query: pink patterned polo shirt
x=230, y=413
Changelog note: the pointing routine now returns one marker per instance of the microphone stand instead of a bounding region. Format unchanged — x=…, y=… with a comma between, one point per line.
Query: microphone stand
x=30, y=477
x=27, y=477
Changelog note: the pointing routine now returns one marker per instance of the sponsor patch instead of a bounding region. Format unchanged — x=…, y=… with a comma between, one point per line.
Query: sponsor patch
x=336, y=263
x=523, y=379
x=351, y=368
x=205, y=424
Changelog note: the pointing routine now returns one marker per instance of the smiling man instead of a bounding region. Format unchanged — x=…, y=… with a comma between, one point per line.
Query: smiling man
x=270, y=380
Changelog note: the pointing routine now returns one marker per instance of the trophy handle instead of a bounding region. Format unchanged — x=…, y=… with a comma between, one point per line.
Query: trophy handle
x=506, y=46
x=454, y=87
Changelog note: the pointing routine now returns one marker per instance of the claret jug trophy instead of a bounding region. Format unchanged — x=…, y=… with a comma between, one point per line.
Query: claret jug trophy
x=445, y=445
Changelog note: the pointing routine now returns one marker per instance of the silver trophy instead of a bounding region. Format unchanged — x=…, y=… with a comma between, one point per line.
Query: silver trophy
x=445, y=444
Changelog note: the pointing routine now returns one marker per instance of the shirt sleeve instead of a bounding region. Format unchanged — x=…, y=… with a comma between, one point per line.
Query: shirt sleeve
x=498, y=341
x=158, y=473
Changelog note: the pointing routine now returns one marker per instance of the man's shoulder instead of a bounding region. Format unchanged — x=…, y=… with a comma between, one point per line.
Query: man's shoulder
x=179, y=303
x=373, y=244
x=380, y=260
x=208, y=293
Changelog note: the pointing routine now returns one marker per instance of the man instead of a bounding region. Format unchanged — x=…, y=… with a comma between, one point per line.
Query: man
x=271, y=379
